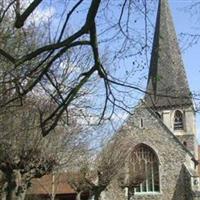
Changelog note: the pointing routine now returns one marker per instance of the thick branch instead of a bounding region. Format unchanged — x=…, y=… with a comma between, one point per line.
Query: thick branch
x=66, y=43
x=20, y=19
x=55, y=116
x=7, y=55
x=85, y=28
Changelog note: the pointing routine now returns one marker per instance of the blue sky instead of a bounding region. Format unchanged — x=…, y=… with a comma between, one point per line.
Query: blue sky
x=184, y=22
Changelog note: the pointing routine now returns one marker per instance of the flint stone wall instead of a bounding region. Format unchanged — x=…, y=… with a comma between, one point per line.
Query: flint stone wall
x=145, y=127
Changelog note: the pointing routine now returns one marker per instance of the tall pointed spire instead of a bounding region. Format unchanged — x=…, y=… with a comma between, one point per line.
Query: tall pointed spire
x=167, y=83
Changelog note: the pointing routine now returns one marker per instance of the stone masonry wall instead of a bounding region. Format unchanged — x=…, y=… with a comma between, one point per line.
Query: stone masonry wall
x=190, y=141
x=171, y=154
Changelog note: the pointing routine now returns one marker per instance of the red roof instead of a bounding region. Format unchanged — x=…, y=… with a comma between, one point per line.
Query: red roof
x=49, y=184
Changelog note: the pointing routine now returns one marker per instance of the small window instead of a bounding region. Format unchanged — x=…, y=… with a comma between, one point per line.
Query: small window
x=178, y=120
x=159, y=115
x=141, y=123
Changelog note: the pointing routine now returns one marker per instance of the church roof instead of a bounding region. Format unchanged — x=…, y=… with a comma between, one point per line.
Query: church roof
x=167, y=82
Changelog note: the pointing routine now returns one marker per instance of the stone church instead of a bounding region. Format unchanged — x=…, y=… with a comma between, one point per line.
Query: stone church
x=163, y=125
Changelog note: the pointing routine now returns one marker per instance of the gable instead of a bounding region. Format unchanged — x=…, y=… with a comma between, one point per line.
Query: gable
x=147, y=127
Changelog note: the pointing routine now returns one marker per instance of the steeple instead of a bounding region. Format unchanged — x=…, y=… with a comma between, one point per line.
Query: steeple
x=167, y=82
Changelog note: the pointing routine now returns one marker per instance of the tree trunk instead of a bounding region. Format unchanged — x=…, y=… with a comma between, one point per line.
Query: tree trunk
x=10, y=193
x=53, y=188
x=13, y=188
x=97, y=196
x=78, y=196
x=3, y=191
x=91, y=197
x=130, y=193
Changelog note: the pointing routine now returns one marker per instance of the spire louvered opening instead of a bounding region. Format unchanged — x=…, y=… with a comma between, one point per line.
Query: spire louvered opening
x=178, y=120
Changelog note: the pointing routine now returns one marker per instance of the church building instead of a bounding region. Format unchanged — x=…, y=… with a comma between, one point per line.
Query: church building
x=163, y=125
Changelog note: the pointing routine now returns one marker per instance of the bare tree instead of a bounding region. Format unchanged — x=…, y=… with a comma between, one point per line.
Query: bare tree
x=87, y=43
x=96, y=177
x=25, y=154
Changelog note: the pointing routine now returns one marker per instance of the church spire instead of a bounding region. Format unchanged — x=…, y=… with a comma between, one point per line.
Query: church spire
x=167, y=83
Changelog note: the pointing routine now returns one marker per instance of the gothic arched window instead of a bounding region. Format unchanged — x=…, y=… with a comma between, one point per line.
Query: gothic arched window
x=147, y=160
x=178, y=120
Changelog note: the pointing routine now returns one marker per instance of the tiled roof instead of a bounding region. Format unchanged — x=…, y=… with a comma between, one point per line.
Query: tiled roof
x=44, y=185
x=167, y=82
